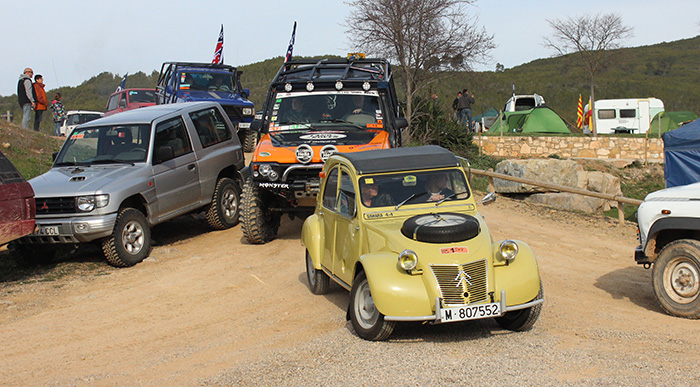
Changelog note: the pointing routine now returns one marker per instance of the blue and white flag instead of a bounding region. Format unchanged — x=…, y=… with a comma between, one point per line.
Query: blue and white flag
x=288, y=57
x=219, y=50
x=122, y=84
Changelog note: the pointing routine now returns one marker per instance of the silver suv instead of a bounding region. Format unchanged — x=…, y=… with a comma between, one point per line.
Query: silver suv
x=116, y=177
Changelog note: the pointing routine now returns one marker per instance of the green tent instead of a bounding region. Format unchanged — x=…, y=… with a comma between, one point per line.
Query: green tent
x=537, y=120
x=669, y=121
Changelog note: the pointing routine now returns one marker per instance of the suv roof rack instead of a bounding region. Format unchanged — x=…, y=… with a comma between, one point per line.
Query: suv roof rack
x=333, y=69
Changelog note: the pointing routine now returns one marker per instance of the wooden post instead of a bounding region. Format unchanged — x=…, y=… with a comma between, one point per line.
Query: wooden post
x=480, y=130
x=621, y=212
x=500, y=121
x=492, y=187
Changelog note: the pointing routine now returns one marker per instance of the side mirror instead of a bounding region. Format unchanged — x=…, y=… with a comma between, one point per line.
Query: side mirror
x=256, y=125
x=488, y=199
x=401, y=123
x=53, y=156
x=246, y=93
x=165, y=153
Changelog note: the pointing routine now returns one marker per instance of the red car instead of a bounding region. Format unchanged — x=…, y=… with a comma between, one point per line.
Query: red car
x=129, y=99
x=17, y=207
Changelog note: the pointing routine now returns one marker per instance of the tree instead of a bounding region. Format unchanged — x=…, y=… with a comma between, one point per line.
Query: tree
x=426, y=38
x=590, y=37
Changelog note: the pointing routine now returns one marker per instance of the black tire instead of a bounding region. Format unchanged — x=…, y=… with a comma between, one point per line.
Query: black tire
x=249, y=140
x=318, y=279
x=523, y=319
x=258, y=223
x=443, y=227
x=31, y=255
x=676, y=278
x=366, y=320
x=224, y=209
x=130, y=242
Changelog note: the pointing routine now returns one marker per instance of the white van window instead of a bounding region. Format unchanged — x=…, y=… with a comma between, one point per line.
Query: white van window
x=606, y=114
x=628, y=113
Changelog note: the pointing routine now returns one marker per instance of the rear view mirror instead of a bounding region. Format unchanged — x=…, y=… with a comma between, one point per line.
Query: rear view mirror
x=401, y=122
x=165, y=153
x=256, y=125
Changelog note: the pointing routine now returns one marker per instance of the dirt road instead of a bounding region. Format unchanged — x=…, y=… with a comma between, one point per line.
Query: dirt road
x=207, y=308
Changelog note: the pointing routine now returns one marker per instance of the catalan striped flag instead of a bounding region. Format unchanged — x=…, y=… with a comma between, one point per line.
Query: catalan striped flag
x=219, y=50
x=579, y=113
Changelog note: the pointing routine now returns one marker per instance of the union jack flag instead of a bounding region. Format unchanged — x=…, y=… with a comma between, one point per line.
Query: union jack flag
x=288, y=57
x=219, y=50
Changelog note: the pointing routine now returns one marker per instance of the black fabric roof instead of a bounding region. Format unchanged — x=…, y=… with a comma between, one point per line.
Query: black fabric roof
x=401, y=159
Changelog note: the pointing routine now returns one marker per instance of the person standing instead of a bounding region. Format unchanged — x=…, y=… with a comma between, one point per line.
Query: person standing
x=59, y=114
x=465, y=109
x=455, y=103
x=41, y=101
x=26, y=96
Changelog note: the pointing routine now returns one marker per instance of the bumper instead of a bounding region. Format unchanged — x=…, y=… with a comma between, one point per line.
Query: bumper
x=639, y=255
x=73, y=230
x=436, y=319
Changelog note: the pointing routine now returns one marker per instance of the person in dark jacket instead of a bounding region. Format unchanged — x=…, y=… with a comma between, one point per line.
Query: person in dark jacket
x=454, y=105
x=464, y=107
x=41, y=101
x=26, y=96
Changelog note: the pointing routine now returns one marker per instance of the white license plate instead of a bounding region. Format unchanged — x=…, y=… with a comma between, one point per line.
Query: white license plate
x=244, y=125
x=472, y=312
x=47, y=230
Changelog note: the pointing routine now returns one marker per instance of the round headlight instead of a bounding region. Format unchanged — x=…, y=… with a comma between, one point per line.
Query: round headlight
x=509, y=249
x=408, y=260
x=86, y=203
x=265, y=169
x=273, y=176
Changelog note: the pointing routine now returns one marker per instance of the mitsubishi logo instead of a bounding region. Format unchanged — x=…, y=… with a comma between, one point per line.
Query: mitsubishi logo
x=44, y=206
x=462, y=276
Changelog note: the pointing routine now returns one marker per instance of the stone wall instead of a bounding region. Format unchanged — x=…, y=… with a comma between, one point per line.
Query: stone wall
x=566, y=147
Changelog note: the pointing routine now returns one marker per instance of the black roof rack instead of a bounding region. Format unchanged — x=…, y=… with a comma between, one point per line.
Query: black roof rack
x=333, y=69
x=402, y=159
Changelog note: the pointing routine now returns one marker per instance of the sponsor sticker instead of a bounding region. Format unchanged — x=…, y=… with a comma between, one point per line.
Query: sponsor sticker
x=409, y=181
x=454, y=250
x=323, y=136
x=79, y=135
x=369, y=180
x=264, y=154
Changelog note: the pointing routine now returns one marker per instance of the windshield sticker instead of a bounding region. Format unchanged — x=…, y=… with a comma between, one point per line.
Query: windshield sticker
x=77, y=135
x=322, y=136
x=182, y=77
x=369, y=180
x=378, y=125
x=276, y=107
x=409, y=181
x=453, y=250
x=274, y=128
x=278, y=100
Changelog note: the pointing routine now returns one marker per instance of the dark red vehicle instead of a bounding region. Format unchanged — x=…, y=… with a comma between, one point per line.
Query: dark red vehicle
x=17, y=207
x=129, y=99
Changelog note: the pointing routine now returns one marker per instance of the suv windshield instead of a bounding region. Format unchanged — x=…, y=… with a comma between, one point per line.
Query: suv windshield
x=136, y=96
x=297, y=110
x=105, y=144
x=413, y=187
x=192, y=80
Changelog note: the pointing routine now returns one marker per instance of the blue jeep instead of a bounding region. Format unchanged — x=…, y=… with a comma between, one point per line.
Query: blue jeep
x=189, y=82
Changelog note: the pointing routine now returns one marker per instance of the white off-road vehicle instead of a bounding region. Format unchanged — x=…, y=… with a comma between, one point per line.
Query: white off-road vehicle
x=669, y=237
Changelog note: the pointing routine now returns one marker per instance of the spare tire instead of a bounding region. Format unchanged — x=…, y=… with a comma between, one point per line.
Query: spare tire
x=443, y=227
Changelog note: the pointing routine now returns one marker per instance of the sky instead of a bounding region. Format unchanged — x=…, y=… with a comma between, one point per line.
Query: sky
x=70, y=41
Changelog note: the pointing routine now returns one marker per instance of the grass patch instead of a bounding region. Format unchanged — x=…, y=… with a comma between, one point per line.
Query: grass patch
x=29, y=151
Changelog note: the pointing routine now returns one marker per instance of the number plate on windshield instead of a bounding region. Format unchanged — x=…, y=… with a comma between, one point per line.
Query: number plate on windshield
x=473, y=312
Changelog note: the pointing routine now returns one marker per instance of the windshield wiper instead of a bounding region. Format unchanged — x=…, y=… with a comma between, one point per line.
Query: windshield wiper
x=68, y=164
x=295, y=123
x=413, y=196
x=445, y=198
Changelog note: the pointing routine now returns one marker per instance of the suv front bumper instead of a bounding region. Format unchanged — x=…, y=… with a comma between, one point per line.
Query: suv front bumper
x=72, y=230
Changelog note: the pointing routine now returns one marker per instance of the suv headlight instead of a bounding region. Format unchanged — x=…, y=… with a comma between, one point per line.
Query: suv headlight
x=267, y=171
x=248, y=111
x=408, y=260
x=90, y=202
x=508, y=250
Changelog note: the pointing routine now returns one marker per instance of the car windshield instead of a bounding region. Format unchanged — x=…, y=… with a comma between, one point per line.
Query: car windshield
x=397, y=189
x=81, y=118
x=192, y=80
x=105, y=144
x=139, y=96
x=299, y=110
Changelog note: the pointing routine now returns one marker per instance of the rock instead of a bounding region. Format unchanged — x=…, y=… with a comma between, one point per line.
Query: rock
x=552, y=171
x=569, y=202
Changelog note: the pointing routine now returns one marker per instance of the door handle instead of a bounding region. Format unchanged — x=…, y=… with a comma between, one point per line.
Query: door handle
x=191, y=167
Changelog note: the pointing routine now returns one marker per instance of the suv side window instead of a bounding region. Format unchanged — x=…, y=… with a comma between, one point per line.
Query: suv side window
x=112, y=104
x=346, y=196
x=331, y=190
x=173, y=134
x=210, y=126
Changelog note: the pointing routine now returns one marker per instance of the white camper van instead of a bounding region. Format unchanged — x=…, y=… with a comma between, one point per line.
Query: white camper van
x=631, y=115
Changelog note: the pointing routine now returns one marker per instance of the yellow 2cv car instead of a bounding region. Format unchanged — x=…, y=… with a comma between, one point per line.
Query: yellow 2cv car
x=399, y=228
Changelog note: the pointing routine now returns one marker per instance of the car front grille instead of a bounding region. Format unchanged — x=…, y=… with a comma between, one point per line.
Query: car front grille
x=462, y=284
x=47, y=206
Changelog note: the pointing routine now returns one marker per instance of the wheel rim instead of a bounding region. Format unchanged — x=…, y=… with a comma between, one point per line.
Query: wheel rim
x=311, y=272
x=132, y=237
x=229, y=204
x=681, y=280
x=365, y=311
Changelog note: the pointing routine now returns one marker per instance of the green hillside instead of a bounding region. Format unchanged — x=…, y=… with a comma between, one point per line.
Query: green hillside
x=667, y=71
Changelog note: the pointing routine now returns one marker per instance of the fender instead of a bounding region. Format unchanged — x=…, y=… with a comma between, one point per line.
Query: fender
x=665, y=224
x=312, y=239
x=519, y=278
x=395, y=292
